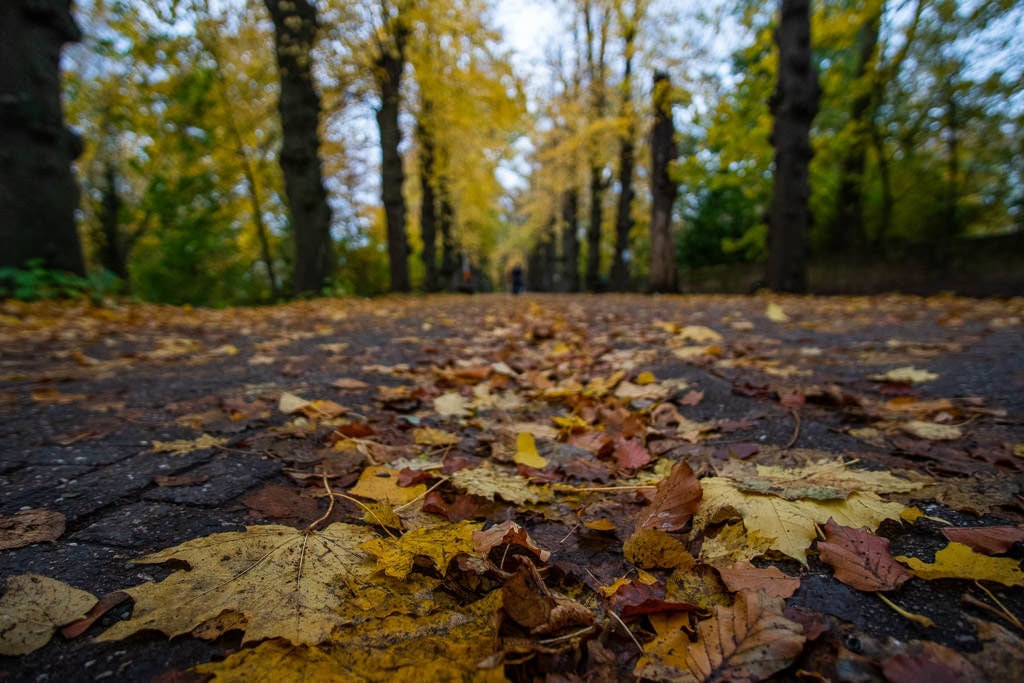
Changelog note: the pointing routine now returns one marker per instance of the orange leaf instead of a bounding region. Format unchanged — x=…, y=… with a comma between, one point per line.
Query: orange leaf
x=861, y=560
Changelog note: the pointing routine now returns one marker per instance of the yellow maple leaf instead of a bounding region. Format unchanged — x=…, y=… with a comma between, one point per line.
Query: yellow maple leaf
x=959, y=561
x=181, y=446
x=791, y=523
x=526, y=452
x=286, y=583
x=488, y=482
x=822, y=480
x=381, y=484
x=774, y=312
x=33, y=608
x=441, y=544
x=445, y=646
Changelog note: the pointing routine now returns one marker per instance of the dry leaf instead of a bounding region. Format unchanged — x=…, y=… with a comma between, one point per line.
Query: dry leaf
x=675, y=501
x=447, y=646
x=26, y=527
x=488, y=482
x=381, y=484
x=746, y=642
x=932, y=431
x=181, y=446
x=396, y=555
x=452, y=404
x=775, y=313
x=792, y=524
x=652, y=548
x=286, y=583
x=958, y=561
x=428, y=436
x=507, y=532
x=991, y=540
x=33, y=608
x=744, y=576
x=348, y=384
x=860, y=559
x=526, y=452
x=908, y=374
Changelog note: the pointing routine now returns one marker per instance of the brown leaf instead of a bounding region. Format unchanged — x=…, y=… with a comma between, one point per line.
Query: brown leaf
x=170, y=480
x=675, y=501
x=861, y=560
x=634, y=598
x=748, y=641
x=991, y=540
x=934, y=664
x=525, y=598
x=26, y=527
x=744, y=576
x=281, y=503
x=507, y=532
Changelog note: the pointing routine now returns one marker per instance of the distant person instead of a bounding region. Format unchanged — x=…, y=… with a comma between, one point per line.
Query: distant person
x=517, y=279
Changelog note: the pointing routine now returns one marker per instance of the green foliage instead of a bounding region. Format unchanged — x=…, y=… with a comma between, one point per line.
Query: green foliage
x=723, y=228
x=35, y=282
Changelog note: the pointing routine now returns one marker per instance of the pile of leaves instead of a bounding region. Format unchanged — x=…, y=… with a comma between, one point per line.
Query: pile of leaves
x=514, y=489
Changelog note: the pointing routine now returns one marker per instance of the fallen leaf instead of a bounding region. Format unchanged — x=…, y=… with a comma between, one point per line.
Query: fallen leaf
x=349, y=384
x=746, y=642
x=821, y=480
x=26, y=527
x=428, y=436
x=171, y=480
x=932, y=431
x=652, y=548
x=452, y=404
x=907, y=374
x=860, y=559
x=33, y=608
x=744, y=576
x=991, y=540
x=1002, y=651
x=505, y=533
x=440, y=544
x=675, y=501
x=281, y=503
x=934, y=663
x=182, y=446
x=488, y=482
x=733, y=543
x=958, y=561
x=104, y=605
x=775, y=313
x=382, y=484
x=289, y=404
x=285, y=582
x=792, y=524
x=447, y=646
x=526, y=452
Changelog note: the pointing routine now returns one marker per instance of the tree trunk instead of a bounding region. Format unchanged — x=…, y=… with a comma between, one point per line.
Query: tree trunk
x=570, y=241
x=663, y=276
x=38, y=192
x=627, y=160
x=596, y=69
x=295, y=27
x=111, y=252
x=793, y=105
x=848, y=234
x=451, y=262
x=428, y=203
x=389, y=68
x=592, y=277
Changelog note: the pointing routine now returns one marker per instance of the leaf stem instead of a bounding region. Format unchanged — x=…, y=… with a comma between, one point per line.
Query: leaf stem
x=330, y=505
x=919, y=618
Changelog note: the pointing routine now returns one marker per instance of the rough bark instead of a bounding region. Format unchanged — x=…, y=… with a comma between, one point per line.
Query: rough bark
x=428, y=202
x=848, y=235
x=793, y=105
x=38, y=192
x=451, y=262
x=295, y=27
x=627, y=160
x=596, y=72
x=110, y=242
x=570, y=271
x=663, y=274
x=389, y=67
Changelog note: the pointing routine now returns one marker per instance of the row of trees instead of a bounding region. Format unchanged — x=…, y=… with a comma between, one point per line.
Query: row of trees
x=244, y=150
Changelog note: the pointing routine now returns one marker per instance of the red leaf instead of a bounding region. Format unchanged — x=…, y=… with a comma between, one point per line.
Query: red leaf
x=744, y=576
x=630, y=454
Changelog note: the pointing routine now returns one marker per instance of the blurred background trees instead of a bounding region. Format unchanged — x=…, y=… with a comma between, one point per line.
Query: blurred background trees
x=442, y=147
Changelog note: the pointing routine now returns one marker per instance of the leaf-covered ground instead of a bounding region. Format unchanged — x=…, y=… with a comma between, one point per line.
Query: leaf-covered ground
x=497, y=487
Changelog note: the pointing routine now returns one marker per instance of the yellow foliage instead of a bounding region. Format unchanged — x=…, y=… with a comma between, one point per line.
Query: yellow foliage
x=33, y=608
x=959, y=561
x=441, y=544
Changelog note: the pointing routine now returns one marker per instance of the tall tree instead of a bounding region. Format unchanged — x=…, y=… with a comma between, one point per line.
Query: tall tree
x=628, y=25
x=596, y=24
x=793, y=105
x=38, y=193
x=392, y=43
x=663, y=275
x=849, y=234
x=295, y=28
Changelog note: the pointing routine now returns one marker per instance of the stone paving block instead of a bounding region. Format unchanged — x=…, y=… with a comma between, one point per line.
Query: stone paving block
x=105, y=485
x=35, y=486
x=148, y=527
x=94, y=568
x=228, y=476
